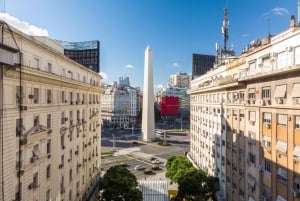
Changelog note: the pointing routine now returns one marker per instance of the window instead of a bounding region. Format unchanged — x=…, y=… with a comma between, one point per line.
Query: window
x=35, y=95
x=19, y=127
x=267, y=165
x=251, y=158
x=35, y=151
x=37, y=63
x=282, y=174
x=70, y=175
x=282, y=120
x=71, y=98
x=48, y=120
x=266, y=93
x=62, y=118
x=49, y=96
x=48, y=195
x=36, y=123
x=62, y=141
x=48, y=146
x=251, y=93
x=19, y=94
x=297, y=184
x=35, y=180
x=267, y=119
x=48, y=171
x=63, y=98
x=252, y=117
x=49, y=68
x=297, y=122
x=267, y=142
x=242, y=96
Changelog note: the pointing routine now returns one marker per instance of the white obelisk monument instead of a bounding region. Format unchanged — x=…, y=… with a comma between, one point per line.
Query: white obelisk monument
x=148, y=99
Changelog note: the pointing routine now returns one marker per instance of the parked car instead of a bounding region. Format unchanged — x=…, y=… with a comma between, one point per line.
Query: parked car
x=155, y=167
x=139, y=167
x=156, y=161
x=148, y=171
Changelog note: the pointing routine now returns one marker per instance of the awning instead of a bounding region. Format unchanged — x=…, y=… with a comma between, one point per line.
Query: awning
x=280, y=91
x=267, y=138
x=251, y=181
x=297, y=180
x=281, y=146
x=296, y=152
x=296, y=91
x=281, y=172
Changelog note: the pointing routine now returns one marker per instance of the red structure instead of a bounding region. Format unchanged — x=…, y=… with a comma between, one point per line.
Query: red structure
x=169, y=105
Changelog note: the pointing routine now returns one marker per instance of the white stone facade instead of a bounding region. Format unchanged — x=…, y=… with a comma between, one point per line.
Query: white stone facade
x=50, y=129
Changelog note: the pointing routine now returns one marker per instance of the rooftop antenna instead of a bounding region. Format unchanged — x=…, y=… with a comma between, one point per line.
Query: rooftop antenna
x=225, y=28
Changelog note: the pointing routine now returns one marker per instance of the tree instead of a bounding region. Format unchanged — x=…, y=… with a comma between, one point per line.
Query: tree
x=197, y=186
x=119, y=184
x=177, y=167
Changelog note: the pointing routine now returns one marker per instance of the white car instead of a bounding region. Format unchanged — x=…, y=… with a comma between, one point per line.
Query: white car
x=156, y=161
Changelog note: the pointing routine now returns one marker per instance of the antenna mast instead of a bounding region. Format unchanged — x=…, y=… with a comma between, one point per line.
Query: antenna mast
x=225, y=29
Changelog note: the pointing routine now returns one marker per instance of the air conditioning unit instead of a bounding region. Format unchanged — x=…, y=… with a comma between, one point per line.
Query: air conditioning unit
x=298, y=101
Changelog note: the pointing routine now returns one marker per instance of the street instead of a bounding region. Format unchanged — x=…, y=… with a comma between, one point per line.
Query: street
x=140, y=153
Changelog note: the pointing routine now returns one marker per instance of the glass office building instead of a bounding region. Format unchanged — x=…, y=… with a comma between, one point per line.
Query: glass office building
x=86, y=53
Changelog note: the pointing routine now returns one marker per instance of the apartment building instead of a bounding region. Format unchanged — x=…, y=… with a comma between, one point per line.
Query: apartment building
x=50, y=121
x=180, y=80
x=119, y=106
x=245, y=121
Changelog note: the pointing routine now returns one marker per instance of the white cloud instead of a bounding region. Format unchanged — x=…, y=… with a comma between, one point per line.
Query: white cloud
x=279, y=11
x=245, y=35
x=175, y=64
x=104, y=75
x=129, y=66
x=23, y=26
x=276, y=11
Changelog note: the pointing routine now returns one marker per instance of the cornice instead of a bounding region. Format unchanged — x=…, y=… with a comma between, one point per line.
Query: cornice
x=33, y=75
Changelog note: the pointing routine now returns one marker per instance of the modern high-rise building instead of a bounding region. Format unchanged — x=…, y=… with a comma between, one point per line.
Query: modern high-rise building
x=201, y=64
x=245, y=120
x=50, y=121
x=86, y=53
x=181, y=80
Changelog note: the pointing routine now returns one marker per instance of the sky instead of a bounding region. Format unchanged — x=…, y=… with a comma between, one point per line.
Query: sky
x=174, y=29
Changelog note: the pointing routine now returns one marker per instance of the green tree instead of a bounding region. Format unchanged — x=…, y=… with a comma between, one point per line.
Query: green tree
x=197, y=186
x=119, y=184
x=177, y=167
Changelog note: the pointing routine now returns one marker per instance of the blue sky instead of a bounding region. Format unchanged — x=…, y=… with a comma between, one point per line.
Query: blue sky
x=174, y=29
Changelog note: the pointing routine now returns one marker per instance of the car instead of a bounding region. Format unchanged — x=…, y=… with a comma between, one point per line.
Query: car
x=155, y=167
x=152, y=158
x=148, y=171
x=139, y=167
x=123, y=164
x=156, y=161
x=135, y=142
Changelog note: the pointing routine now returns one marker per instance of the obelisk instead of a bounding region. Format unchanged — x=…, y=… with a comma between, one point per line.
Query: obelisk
x=148, y=99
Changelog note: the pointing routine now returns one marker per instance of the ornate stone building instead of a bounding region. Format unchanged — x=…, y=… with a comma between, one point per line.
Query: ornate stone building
x=50, y=121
